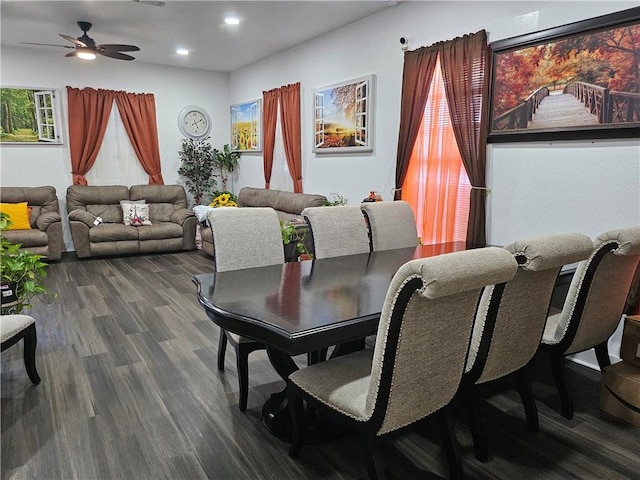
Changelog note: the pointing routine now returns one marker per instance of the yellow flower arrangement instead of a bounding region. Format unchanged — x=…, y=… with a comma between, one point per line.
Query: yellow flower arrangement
x=224, y=199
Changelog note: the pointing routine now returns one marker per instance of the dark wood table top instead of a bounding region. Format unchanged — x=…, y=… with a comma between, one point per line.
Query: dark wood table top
x=300, y=307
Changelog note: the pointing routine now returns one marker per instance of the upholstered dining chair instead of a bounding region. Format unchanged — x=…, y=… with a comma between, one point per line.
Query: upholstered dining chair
x=593, y=306
x=243, y=238
x=509, y=323
x=337, y=231
x=391, y=225
x=415, y=368
x=14, y=328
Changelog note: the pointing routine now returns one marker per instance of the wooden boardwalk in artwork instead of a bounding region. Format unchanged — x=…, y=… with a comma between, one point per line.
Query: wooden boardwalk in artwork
x=560, y=110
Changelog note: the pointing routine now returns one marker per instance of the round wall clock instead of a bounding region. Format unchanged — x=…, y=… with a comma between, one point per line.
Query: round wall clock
x=194, y=122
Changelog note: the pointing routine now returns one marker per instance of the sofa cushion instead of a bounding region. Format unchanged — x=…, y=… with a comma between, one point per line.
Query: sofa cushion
x=160, y=194
x=296, y=202
x=108, y=213
x=257, y=197
x=135, y=214
x=112, y=233
x=81, y=196
x=27, y=238
x=18, y=214
x=159, y=231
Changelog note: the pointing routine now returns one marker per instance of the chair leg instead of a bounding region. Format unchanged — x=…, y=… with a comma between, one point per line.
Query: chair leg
x=480, y=447
x=242, y=364
x=528, y=402
x=222, y=349
x=30, y=341
x=602, y=354
x=373, y=461
x=449, y=442
x=298, y=421
x=558, y=369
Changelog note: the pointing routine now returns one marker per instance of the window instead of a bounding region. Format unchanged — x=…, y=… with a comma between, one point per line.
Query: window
x=30, y=116
x=117, y=162
x=437, y=185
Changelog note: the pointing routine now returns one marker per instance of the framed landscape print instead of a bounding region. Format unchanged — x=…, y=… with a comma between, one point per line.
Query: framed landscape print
x=343, y=116
x=577, y=81
x=246, y=126
x=30, y=116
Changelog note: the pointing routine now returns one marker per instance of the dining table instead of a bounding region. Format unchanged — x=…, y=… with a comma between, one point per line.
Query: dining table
x=306, y=307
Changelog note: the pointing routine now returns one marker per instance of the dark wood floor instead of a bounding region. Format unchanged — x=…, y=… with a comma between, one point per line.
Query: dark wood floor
x=130, y=390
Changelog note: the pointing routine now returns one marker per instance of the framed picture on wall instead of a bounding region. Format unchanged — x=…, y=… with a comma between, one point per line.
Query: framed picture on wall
x=246, y=126
x=576, y=81
x=343, y=116
x=30, y=116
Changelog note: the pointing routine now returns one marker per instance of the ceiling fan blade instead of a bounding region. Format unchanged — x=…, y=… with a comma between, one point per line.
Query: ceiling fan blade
x=118, y=55
x=47, y=45
x=114, y=47
x=72, y=40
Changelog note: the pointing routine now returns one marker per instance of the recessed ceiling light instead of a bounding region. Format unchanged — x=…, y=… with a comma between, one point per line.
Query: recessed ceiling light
x=231, y=20
x=182, y=51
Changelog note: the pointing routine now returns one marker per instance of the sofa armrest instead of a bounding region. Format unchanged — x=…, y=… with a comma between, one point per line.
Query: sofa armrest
x=180, y=215
x=46, y=219
x=82, y=216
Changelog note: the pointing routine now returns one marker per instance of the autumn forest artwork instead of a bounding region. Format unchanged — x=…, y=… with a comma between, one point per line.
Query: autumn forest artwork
x=582, y=81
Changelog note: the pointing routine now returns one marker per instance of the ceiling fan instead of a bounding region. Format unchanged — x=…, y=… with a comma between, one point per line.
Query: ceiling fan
x=86, y=48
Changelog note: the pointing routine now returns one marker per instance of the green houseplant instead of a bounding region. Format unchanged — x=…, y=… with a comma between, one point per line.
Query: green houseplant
x=198, y=161
x=226, y=160
x=294, y=246
x=23, y=271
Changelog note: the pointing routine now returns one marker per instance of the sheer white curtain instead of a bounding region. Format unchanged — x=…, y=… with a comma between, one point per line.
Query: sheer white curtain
x=117, y=163
x=280, y=176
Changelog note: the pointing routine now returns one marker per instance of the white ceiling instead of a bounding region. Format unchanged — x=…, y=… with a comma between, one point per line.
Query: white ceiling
x=266, y=28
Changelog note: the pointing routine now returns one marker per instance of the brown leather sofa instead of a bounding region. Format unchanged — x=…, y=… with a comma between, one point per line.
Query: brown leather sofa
x=96, y=220
x=45, y=236
x=288, y=206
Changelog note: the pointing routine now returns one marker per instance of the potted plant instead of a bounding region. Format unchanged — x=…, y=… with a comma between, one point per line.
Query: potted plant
x=198, y=160
x=294, y=247
x=338, y=200
x=226, y=160
x=22, y=274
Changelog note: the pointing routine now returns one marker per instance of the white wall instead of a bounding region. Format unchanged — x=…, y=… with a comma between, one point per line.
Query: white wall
x=536, y=188
x=173, y=88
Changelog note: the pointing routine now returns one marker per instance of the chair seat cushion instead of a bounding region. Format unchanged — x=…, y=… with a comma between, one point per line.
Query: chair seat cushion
x=11, y=325
x=342, y=383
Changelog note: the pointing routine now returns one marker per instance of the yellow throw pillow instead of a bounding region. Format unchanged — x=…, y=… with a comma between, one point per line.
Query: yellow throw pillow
x=18, y=213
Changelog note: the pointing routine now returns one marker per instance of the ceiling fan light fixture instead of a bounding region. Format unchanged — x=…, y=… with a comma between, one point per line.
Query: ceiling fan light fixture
x=231, y=20
x=86, y=54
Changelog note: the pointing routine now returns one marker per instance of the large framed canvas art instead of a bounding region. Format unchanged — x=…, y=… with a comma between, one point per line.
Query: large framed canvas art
x=246, y=126
x=343, y=116
x=577, y=81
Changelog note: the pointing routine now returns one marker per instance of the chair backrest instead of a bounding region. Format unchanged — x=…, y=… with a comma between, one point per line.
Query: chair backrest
x=597, y=294
x=245, y=238
x=507, y=332
x=391, y=225
x=424, y=332
x=337, y=231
